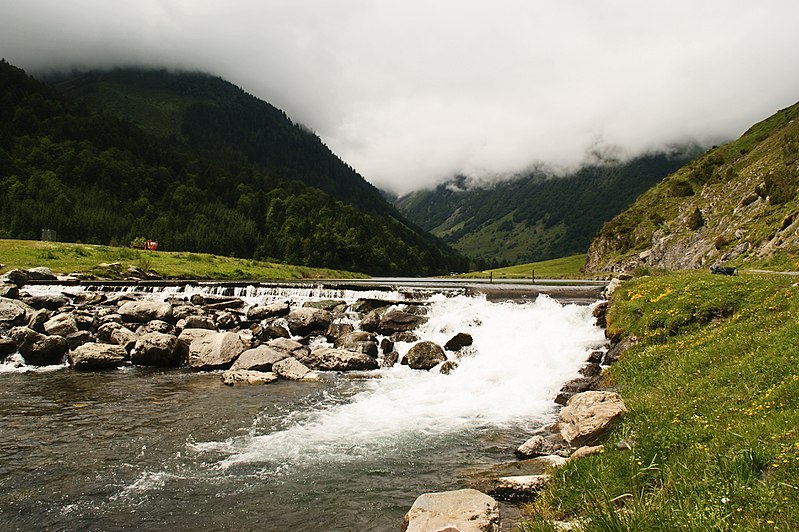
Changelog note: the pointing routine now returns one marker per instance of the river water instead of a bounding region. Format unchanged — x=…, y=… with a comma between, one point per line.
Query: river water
x=173, y=449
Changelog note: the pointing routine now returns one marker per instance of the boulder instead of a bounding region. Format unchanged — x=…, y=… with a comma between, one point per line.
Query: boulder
x=359, y=342
x=62, y=324
x=144, y=311
x=404, y=336
x=448, y=367
x=117, y=334
x=587, y=450
x=13, y=312
x=337, y=330
x=304, y=321
x=156, y=349
x=363, y=306
x=618, y=349
x=541, y=446
x=518, y=488
x=41, y=273
x=79, y=338
x=38, y=318
x=331, y=359
x=215, y=350
x=16, y=277
x=232, y=377
x=38, y=349
x=591, y=370
x=425, y=355
x=9, y=290
x=371, y=321
x=331, y=305
x=91, y=356
x=290, y=368
x=269, y=332
x=588, y=416
x=7, y=347
x=575, y=386
x=260, y=358
x=215, y=302
x=181, y=311
x=394, y=320
x=459, y=341
x=274, y=310
x=48, y=301
x=386, y=345
x=465, y=510
x=227, y=321
x=155, y=326
x=389, y=359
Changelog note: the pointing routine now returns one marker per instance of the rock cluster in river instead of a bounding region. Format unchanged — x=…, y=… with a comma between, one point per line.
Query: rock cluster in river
x=253, y=344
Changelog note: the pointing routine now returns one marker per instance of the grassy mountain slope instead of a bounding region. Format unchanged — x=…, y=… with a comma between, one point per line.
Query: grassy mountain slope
x=736, y=205
x=535, y=217
x=96, y=178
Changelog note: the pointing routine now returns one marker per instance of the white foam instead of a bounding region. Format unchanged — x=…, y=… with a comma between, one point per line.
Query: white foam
x=16, y=364
x=523, y=355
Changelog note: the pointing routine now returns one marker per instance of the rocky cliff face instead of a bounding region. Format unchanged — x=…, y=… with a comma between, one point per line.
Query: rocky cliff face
x=736, y=205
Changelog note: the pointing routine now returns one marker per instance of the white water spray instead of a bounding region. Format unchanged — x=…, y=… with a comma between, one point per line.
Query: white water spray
x=523, y=354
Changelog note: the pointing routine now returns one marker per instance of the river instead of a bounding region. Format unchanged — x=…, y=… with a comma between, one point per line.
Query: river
x=173, y=449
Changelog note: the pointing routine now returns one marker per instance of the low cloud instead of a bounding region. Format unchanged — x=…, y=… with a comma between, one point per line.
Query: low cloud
x=411, y=93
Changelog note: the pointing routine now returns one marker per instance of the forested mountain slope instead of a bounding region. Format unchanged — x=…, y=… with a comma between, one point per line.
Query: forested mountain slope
x=97, y=178
x=735, y=205
x=535, y=217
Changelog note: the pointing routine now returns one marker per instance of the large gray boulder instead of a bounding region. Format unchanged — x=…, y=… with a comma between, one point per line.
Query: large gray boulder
x=117, y=334
x=38, y=349
x=425, y=355
x=332, y=359
x=156, y=349
x=588, y=416
x=13, y=312
x=144, y=311
x=62, y=324
x=91, y=356
x=466, y=510
x=304, y=321
x=260, y=358
x=214, y=350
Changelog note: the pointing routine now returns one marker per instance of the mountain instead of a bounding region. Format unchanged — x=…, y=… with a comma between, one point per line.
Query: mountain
x=184, y=175
x=735, y=205
x=535, y=217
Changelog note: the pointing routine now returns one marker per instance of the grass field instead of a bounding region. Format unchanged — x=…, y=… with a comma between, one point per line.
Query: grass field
x=713, y=396
x=563, y=268
x=66, y=258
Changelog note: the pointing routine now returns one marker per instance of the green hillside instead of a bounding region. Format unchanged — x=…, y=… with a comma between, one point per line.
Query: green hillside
x=536, y=217
x=736, y=205
x=97, y=178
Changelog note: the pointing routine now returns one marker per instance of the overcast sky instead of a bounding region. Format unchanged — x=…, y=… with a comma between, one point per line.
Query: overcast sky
x=413, y=92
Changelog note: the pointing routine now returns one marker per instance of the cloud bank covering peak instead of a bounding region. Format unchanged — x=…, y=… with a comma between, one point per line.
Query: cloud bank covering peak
x=411, y=93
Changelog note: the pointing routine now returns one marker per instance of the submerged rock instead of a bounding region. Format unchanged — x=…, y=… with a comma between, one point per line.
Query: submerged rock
x=465, y=510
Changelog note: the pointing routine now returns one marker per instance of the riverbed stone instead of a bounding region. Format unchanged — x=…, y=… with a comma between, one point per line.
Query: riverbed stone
x=465, y=510
x=232, y=377
x=90, y=356
x=41, y=273
x=79, y=338
x=215, y=350
x=332, y=359
x=7, y=347
x=304, y=321
x=156, y=349
x=589, y=415
x=587, y=450
x=38, y=349
x=48, y=301
x=458, y=342
x=17, y=277
x=9, y=290
x=264, y=312
x=331, y=305
x=144, y=311
x=290, y=368
x=483, y=477
x=542, y=446
x=38, y=318
x=261, y=358
x=618, y=349
x=13, y=312
x=425, y=355
x=337, y=330
x=390, y=359
x=62, y=324
x=518, y=488
x=359, y=342
x=155, y=326
x=395, y=320
x=117, y=334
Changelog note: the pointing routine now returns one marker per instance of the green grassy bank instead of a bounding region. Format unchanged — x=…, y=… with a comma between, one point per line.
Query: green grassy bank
x=66, y=258
x=713, y=394
x=562, y=268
